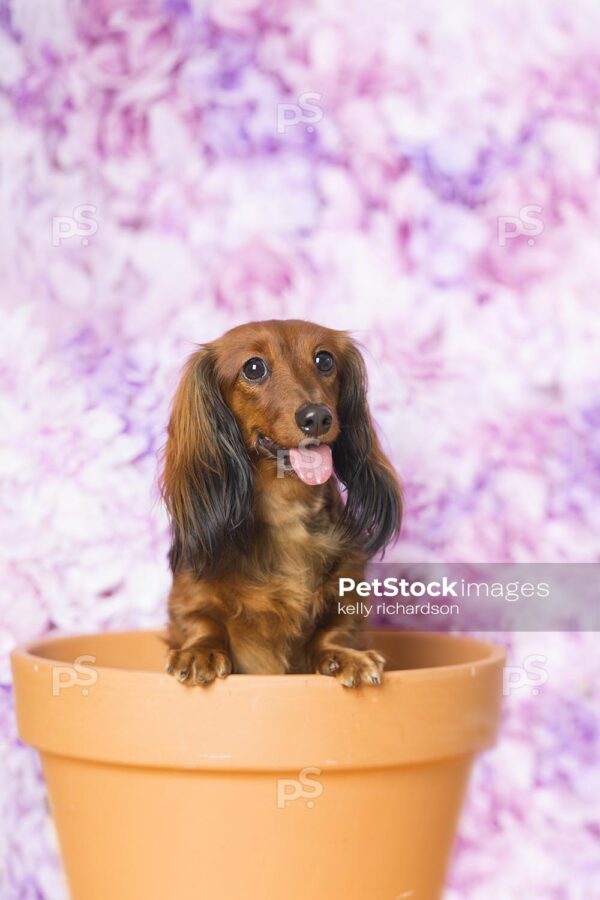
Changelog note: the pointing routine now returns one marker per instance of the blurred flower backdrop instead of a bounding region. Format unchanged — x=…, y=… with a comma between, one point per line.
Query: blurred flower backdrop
x=423, y=174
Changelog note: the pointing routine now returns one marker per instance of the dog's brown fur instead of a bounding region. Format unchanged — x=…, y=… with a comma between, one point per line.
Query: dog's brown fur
x=256, y=556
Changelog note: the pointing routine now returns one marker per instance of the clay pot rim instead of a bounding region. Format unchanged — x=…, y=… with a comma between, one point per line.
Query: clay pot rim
x=144, y=717
x=491, y=656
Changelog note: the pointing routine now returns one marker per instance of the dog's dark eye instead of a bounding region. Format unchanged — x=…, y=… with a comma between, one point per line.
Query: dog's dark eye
x=324, y=362
x=255, y=369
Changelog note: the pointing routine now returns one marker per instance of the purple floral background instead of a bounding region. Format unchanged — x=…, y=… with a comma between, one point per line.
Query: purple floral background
x=423, y=174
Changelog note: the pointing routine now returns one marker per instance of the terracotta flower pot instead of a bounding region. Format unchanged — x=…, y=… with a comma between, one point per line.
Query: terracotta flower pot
x=258, y=787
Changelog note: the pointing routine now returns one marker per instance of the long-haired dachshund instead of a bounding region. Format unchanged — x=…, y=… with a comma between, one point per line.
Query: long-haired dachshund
x=262, y=419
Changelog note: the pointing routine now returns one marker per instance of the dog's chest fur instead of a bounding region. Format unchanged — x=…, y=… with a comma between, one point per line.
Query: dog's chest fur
x=278, y=596
x=280, y=591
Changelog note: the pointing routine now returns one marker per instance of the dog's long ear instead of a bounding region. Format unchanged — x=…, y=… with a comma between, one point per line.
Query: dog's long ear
x=373, y=510
x=207, y=479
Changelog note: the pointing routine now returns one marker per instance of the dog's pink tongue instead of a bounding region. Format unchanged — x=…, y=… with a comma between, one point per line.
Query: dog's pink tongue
x=312, y=465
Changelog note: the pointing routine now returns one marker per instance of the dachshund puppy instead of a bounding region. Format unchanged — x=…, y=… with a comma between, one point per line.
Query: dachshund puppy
x=262, y=421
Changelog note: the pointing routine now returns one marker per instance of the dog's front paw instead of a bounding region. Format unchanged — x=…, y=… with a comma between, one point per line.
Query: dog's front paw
x=353, y=667
x=198, y=665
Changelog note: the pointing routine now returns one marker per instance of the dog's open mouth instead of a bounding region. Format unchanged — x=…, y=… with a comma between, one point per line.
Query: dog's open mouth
x=312, y=462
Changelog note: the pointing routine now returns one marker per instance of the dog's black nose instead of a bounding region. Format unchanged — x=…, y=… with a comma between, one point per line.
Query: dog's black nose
x=314, y=419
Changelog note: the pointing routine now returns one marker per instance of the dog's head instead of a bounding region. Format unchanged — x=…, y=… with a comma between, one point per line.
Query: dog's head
x=292, y=394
